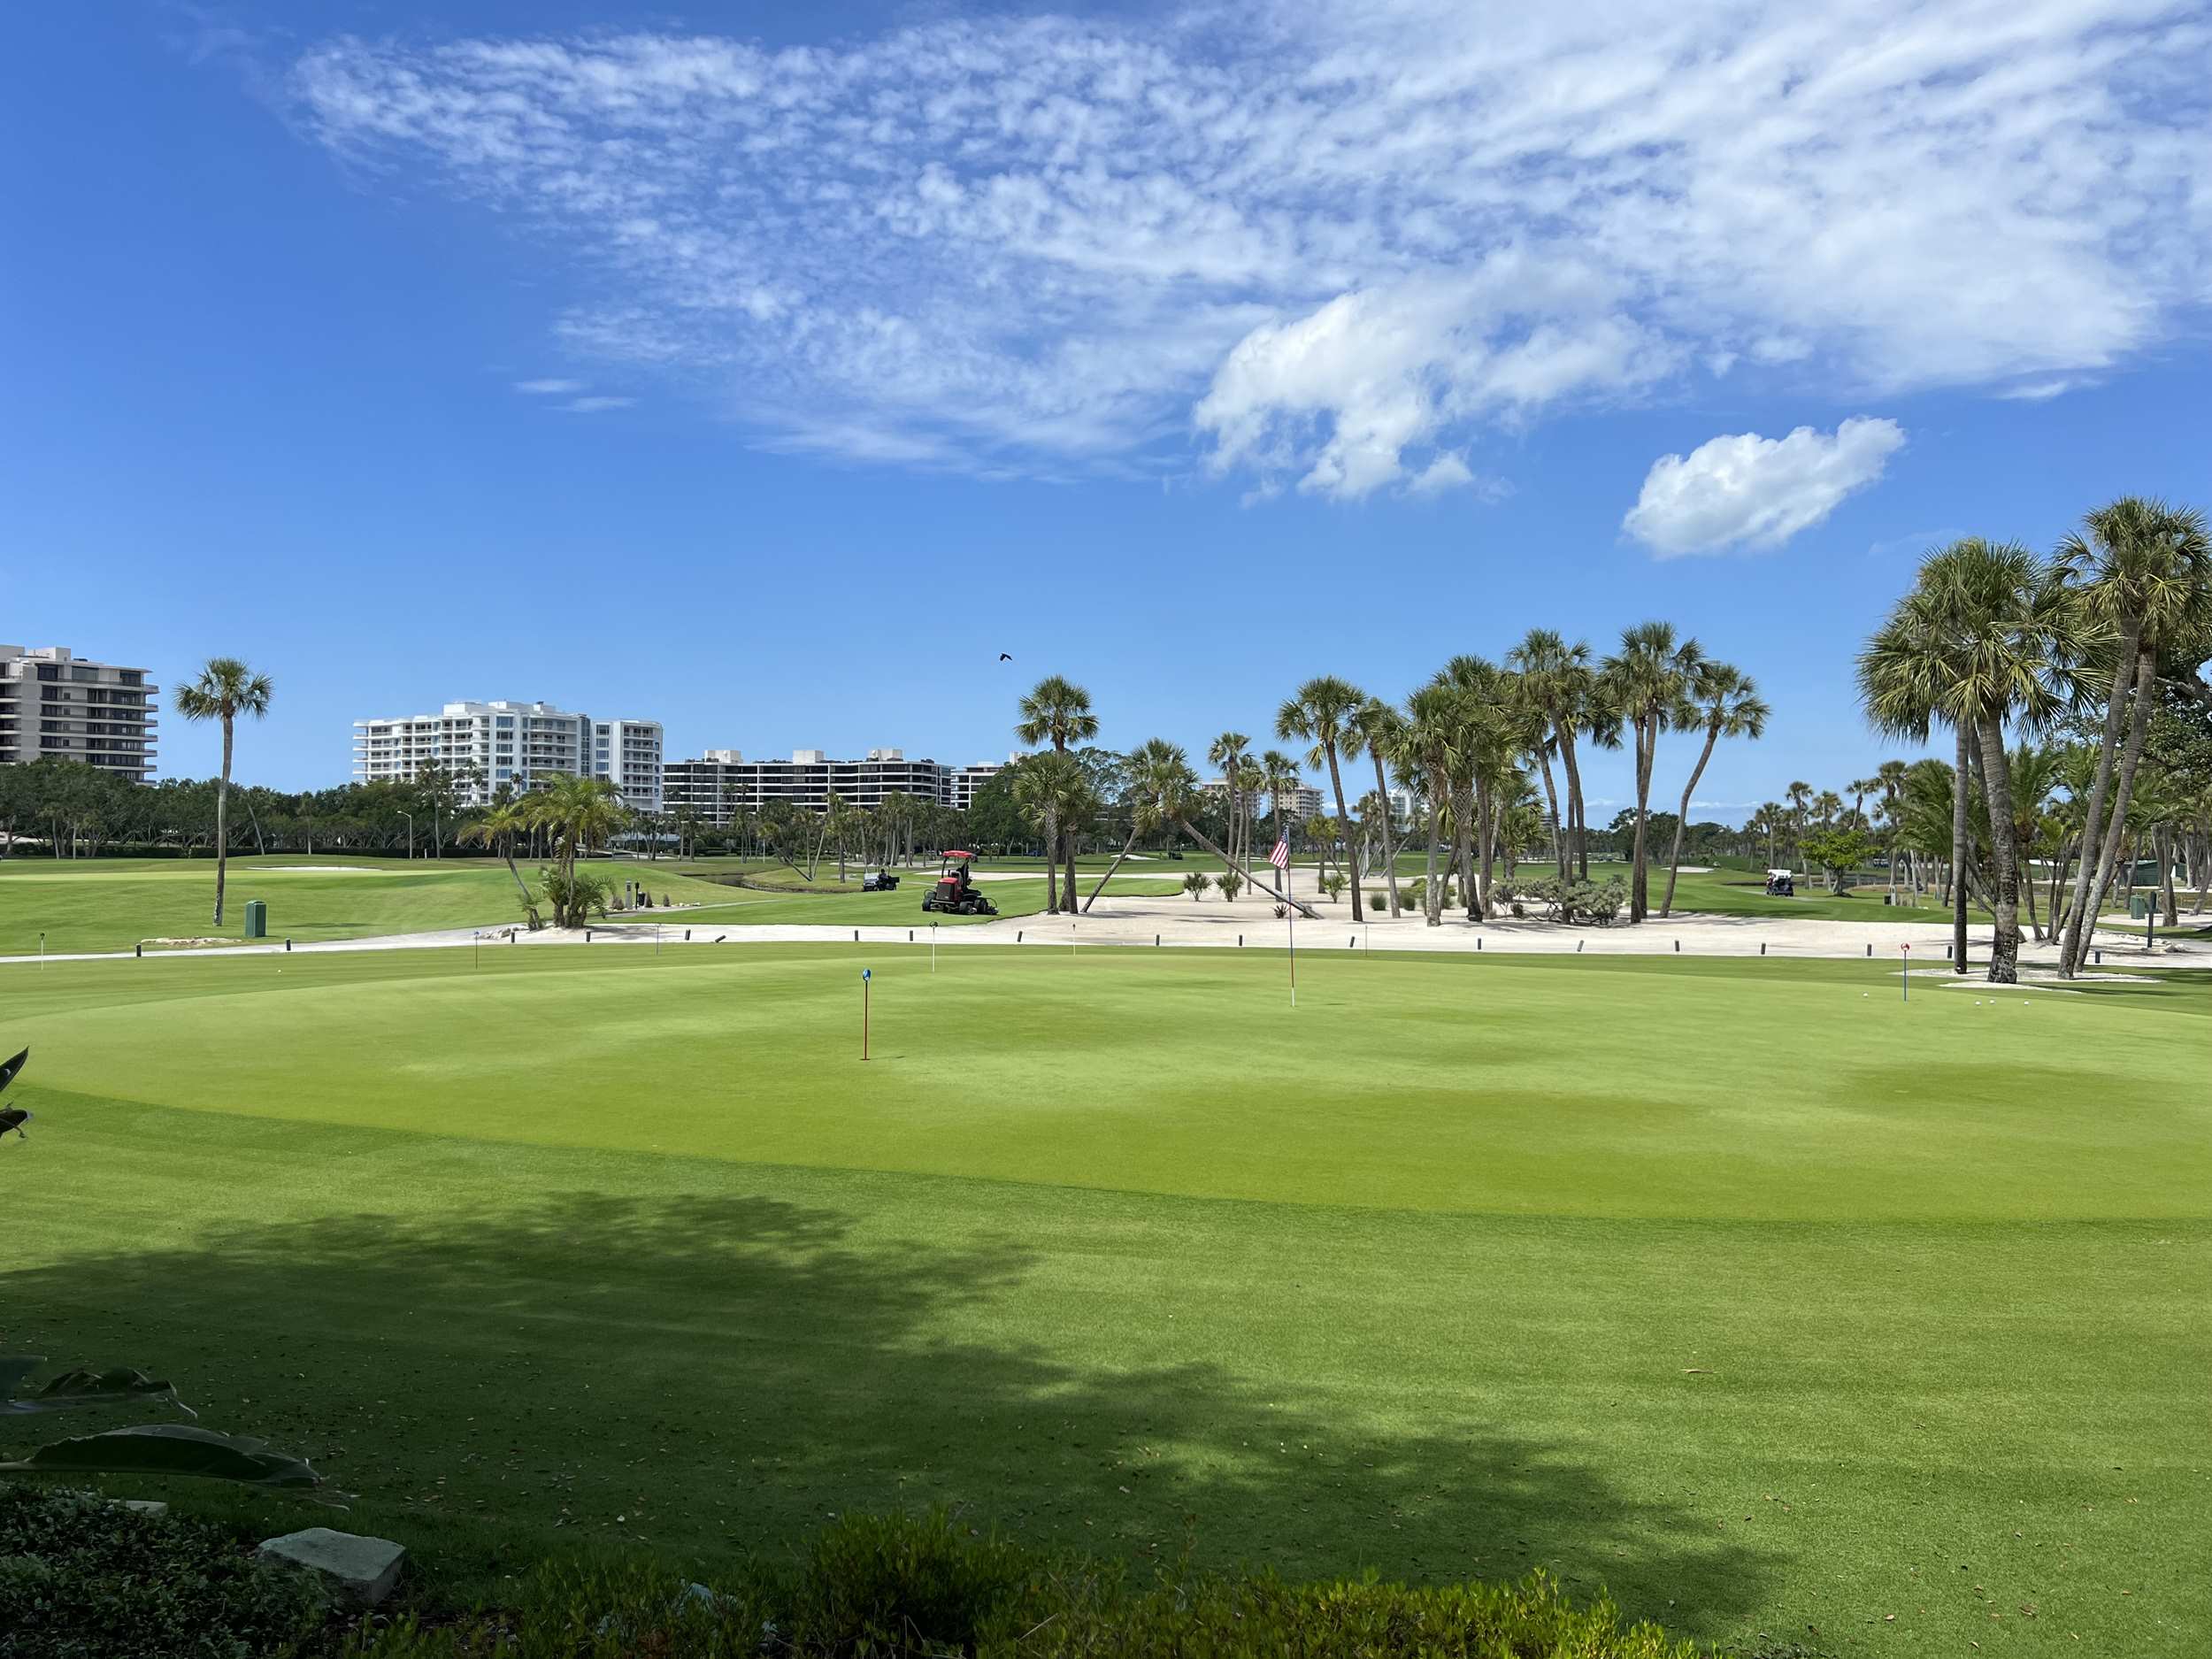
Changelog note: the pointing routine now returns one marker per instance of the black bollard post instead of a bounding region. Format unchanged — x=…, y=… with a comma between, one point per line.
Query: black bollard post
x=686, y=935
x=287, y=947
x=1578, y=947
x=588, y=935
x=1018, y=938
x=1870, y=947
x=1239, y=942
x=855, y=935
x=1677, y=947
x=142, y=949
x=1763, y=946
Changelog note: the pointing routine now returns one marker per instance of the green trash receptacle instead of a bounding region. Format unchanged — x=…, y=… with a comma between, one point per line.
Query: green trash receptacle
x=2138, y=906
x=257, y=919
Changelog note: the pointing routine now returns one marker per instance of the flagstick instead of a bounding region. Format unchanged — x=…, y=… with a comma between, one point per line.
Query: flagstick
x=1290, y=909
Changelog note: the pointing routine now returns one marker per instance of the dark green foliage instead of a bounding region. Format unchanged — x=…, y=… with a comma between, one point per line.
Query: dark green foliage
x=874, y=1587
x=83, y=1579
x=576, y=896
x=1574, y=900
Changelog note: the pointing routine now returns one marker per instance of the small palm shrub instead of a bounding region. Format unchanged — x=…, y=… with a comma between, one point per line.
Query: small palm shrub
x=1230, y=884
x=1195, y=884
x=1333, y=884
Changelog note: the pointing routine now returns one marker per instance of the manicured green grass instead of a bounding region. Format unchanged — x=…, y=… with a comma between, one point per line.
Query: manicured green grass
x=112, y=904
x=1744, y=1288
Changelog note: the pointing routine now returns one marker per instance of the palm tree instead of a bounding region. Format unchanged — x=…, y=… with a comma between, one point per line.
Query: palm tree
x=1769, y=821
x=1326, y=714
x=1800, y=796
x=223, y=689
x=1053, y=793
x=1557, y=679
x=1986, y=636
x=1649, y=680
x=1150, y=778
x=502, y=822
x=1430, y=740
x=1376, y=728
x=1057, y=710
x=1730, y=706
x=1174, y=793
x=579, y=814
x=2150, y=579
x=1889, y=778
x=1281, y=776
x=1227, y=752
x=1862, y=787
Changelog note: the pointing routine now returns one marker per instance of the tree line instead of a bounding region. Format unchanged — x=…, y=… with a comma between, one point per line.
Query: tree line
x=2001, y=646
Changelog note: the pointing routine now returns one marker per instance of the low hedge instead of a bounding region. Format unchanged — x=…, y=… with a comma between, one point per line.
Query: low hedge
x=84, y=1578
x=80, y=1578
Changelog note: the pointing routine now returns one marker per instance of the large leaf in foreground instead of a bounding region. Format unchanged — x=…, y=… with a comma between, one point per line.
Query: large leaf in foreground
x=170, y=1448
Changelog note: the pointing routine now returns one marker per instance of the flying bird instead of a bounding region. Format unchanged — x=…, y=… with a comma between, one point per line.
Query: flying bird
x=1006, y=657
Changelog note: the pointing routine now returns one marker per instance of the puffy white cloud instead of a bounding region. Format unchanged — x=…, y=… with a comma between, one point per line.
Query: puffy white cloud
x=1333, y=244
x=1745, y=490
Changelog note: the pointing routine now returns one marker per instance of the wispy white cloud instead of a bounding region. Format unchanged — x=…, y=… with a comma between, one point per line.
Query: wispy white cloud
x=1744, y=490
x=548, y=388
x=1913, y=542
x=1333, y=245
x=2037, y=391
x=595, y=405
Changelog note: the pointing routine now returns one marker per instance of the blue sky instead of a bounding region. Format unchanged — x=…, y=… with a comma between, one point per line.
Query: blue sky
x=768, y=370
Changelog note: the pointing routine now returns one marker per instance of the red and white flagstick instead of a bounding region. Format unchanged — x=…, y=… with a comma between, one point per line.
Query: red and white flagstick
x=1290, y=909
x=1905, y=978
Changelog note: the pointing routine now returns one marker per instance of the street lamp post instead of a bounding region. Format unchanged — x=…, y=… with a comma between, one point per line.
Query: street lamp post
x=410, y=816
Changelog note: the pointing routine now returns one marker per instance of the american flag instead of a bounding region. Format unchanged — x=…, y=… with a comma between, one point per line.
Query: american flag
x=1280, y=857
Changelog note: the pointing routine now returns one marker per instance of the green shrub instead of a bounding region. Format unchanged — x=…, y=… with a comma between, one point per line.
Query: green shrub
x=84, y=1578
x=929, y=1586
x=1377, y=899
x=877, y=1582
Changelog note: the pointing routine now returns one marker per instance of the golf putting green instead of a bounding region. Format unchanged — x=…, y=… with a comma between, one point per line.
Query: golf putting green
x=1744, y=1288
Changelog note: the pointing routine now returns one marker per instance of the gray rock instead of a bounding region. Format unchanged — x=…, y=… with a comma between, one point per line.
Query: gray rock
x=358, y=1569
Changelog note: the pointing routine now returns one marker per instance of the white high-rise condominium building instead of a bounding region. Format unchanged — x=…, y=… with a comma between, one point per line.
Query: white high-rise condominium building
x=54, y=706
x=514, y=746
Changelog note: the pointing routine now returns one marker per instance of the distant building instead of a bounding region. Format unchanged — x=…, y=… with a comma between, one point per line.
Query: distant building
x=722, y=783
x=54, y=706
x=1303, y=801
x=515, y=746
x=962, y=782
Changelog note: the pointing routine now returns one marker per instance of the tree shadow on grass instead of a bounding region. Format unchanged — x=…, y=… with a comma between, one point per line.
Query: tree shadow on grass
x=699, y=1375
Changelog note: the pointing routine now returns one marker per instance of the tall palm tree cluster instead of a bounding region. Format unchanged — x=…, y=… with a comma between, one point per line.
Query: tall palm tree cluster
x=1468, y=748
x=1999, y=645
